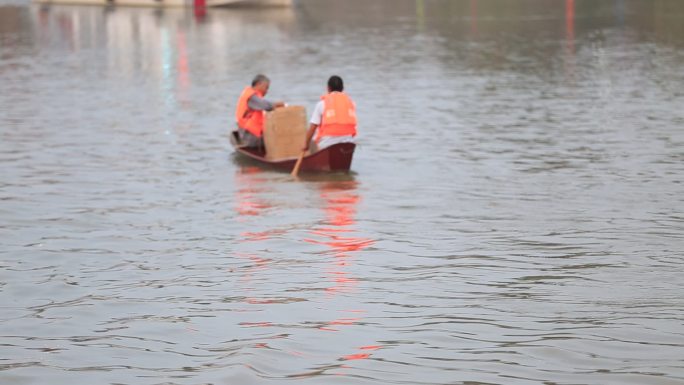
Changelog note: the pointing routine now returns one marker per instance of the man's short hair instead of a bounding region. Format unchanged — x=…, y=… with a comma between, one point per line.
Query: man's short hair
x=335, y=83
x=260, y=79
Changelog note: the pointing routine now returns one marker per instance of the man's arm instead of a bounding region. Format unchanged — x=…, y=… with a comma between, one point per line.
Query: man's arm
x=260, y=104
x=309, y=136
x=316, y=119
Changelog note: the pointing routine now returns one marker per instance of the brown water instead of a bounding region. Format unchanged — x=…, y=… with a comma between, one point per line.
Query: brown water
x=515, y=214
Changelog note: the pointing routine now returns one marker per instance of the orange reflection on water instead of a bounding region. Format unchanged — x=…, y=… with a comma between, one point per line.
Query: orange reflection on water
x=183, y=70
x=249, y=236
x=473, y=17
x=569, y=62
x=333, y=326
x=247, y=199
x=364, y=354
x=257, y=263
x=357, y=356
x=371, y=347
x=570, y=26
x=344, y=321
x=336, y=232
x=256, y=324
x=340, y=200
x=361, y=356
x=338, y=243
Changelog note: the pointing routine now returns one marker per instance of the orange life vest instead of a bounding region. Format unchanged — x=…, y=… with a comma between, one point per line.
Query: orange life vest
x=248, y=119
x=339, y=116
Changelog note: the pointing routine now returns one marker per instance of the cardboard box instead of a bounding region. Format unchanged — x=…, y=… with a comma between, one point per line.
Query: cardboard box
x=285, y=132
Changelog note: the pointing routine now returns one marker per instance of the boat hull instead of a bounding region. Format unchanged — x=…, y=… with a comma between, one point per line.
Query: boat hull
x=337, y=157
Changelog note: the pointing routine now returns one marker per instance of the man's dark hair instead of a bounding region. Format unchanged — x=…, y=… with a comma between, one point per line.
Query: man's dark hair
x=260, y=79
x=335, y=84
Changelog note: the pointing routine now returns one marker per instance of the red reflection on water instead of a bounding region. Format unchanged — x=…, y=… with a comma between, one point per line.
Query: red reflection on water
x=361, y=355
x=263, y=301
x=340, y=200
x=257, y=264
x=340, y=244
x=569, y=37
x=183, y=72
x=340, y=208
x=329, y=326
x=256, y=324
x=66, y=26
x=336, y=232
x=473, y=17
x=370, y=347
x=357, y=356
x=344, y=321
x=247, y=199
x=260, y=235
x=570, y=25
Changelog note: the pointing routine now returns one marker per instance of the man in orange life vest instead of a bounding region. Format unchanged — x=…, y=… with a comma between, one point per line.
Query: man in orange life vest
x=333, y=119
x=250, y=111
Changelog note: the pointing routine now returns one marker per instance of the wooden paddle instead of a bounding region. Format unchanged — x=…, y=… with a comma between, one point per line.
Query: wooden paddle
x=295, y=170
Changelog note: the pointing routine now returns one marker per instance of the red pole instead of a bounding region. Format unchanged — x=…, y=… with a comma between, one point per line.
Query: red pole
x=200, y=9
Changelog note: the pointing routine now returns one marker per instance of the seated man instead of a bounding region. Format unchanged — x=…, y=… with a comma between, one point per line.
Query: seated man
x=334, y=118
x=250, y=111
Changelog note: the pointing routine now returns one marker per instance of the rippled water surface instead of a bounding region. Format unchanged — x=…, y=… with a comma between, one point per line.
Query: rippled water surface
x=515, y=214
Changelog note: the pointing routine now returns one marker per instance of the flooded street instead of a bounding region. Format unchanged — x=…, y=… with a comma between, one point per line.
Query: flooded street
x=515, y=214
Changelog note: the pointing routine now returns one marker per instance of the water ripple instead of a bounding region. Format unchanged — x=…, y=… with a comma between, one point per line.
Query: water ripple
x=514, y=214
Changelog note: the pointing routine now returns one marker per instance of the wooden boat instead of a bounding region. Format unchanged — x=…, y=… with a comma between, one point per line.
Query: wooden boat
x=337, y=157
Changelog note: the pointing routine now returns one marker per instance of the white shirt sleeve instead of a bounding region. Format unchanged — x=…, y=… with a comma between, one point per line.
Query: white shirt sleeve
x=317, y=115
